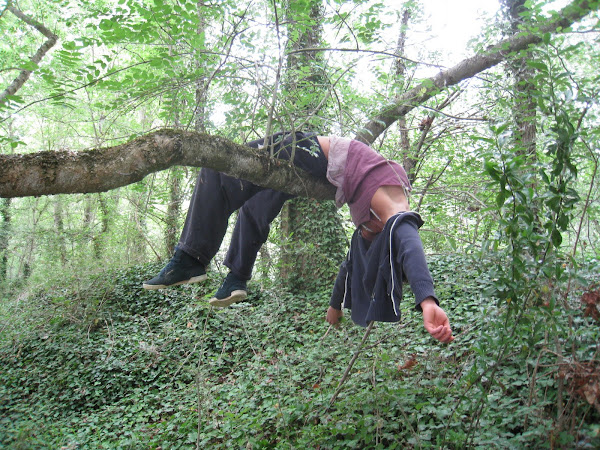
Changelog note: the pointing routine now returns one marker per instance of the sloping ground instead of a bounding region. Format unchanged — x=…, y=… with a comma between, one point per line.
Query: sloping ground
x=114, y=366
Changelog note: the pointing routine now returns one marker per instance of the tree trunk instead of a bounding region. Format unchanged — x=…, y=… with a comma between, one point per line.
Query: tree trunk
x=173, y=210
x=95, y=237
x=175, y=179
x=312, y=231
x=61, y=246
x=409, y=162
x=137, y=237
x=200, y=110
x=5, y=227
x=525, y=107
x=27, y=262
x=314, y=244
x=99, y=238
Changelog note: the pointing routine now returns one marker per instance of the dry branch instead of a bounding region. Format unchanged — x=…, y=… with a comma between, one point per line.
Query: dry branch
x=351, y=364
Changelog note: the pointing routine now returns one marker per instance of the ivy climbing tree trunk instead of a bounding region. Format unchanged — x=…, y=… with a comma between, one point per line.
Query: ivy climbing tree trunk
x=524, y=110
x=312, y=231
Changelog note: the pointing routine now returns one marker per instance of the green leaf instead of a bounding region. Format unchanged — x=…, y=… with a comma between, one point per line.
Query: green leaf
x=484, y=139
x=69, y=45
x=501, y=198
x=498, y=130
x=538, y=65
x=556, y=238
x=492, y=170
x=29, y=65
x=106, y=25
x=546, y=38
x=157, y=62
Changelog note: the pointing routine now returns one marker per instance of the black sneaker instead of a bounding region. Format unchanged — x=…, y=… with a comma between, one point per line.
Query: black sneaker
x=182, y=269
x=232, y=290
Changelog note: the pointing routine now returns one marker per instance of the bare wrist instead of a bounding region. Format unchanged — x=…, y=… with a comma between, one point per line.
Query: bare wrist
x=429, y=302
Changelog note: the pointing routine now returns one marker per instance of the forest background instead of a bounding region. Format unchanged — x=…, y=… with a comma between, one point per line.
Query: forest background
x=502, y=149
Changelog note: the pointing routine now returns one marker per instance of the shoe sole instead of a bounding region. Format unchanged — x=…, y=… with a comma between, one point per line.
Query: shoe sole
x=236, y=296
x=198, y=279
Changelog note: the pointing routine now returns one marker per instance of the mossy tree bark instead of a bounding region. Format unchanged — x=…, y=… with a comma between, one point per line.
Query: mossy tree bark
x=312, y=231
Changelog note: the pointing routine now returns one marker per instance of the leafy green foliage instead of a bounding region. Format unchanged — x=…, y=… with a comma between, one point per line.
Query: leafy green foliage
x=102, y=364
x=117, y=366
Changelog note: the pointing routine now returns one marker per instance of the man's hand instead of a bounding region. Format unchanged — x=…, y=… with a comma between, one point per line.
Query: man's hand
x=435, y=321
x=334, y=316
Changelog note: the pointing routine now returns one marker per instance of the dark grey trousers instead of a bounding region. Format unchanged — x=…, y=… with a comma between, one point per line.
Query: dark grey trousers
x=216, y=196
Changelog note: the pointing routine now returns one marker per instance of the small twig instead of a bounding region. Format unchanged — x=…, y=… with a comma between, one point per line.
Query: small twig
x=450, y=116
x=241, y=319
x=351, y=363
x=327, y=332
x=198, y=381
x=372, y=52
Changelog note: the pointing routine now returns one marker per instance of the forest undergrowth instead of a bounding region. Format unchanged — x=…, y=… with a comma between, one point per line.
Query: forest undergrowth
x=109, y=365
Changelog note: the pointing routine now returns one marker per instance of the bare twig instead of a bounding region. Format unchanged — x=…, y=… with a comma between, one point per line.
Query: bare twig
x=358, y=50
x=198, y=381
x=351, y=363
x=450, y=116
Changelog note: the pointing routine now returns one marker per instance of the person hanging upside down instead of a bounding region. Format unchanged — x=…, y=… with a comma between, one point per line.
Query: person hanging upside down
x=385, y=249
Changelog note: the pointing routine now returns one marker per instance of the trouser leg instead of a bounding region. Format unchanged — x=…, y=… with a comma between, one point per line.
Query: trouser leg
x=215, y=197
x=252, y=230
x=254, y=218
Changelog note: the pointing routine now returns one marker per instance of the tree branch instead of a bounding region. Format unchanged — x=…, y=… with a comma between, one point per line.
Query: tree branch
x=41, y=52
x=358, y=50
x=100, y=170
x=469, y=67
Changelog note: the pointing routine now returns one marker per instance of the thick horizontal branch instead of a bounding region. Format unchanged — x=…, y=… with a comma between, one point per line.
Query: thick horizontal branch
x=100, y=170
x=469, y=67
